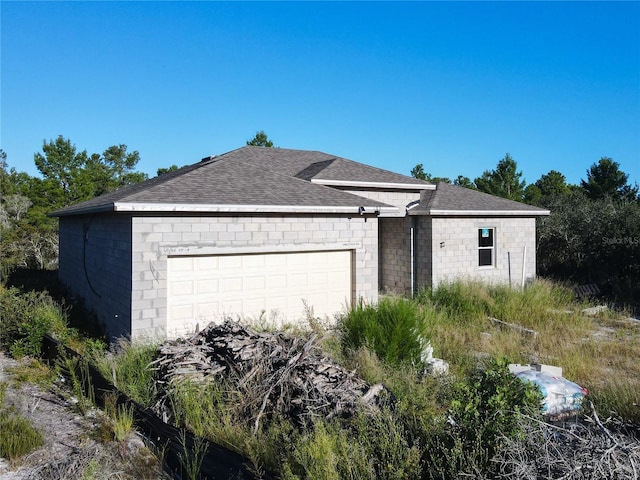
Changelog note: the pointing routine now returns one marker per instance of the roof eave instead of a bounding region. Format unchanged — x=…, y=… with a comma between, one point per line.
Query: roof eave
x=359, y=184
x=207, y=208
x=480, y=213
x=107, y=207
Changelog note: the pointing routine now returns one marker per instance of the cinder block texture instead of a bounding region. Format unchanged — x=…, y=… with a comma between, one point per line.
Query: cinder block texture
x=120, y=270
x=95, y=265
x=454, y=246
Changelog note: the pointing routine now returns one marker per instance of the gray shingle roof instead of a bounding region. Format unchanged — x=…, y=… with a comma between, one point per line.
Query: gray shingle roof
x=449, y=199
x=249, y=176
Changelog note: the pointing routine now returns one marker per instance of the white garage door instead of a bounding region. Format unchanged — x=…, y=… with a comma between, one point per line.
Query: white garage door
x=201, y=289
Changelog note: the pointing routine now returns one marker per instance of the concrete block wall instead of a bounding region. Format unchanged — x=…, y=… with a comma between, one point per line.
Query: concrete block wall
x=95, y=265
x=157, y=237
x=396, y=198
x=458, y=257
x=395, y=255
x=423, y=252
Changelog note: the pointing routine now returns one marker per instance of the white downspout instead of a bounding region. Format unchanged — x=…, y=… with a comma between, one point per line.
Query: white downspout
x=524, y=259
x=413, y=275
x=412, y=246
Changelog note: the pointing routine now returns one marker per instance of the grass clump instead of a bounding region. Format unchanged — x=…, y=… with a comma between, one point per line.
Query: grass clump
x=128, y=368
x=19, y=437
x=119, y=418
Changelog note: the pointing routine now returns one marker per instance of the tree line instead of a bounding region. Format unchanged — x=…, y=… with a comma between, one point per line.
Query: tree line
x=28, y=237
x=592, y=235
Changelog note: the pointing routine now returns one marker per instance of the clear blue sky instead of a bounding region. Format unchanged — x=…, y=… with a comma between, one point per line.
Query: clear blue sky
x=453, y=86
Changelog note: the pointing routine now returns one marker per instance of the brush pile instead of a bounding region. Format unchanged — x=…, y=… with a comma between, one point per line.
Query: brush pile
x=591, y=449
x=280, y=373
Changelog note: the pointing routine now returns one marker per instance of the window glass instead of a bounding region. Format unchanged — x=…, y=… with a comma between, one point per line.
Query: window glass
x=485, y=247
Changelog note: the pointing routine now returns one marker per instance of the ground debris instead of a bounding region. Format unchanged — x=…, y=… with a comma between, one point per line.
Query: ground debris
x=284, y=374
x=589, y=450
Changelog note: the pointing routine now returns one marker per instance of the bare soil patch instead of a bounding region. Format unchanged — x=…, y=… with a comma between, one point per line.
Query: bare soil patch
x=72, y=445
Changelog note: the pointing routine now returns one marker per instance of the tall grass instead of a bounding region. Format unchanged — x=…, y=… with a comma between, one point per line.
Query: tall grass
x=128, y=368
x=433, y=427
x=26, y=317
x=18, y=436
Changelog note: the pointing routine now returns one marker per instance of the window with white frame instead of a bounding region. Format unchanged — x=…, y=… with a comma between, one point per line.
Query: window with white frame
x=486, y=247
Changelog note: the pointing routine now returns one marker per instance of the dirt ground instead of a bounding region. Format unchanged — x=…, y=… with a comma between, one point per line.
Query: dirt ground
x=72, y=448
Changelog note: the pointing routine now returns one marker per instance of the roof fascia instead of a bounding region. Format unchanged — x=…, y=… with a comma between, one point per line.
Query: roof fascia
x=481, y=213
x=353, y=183
x=186, y=208
x=107, y=207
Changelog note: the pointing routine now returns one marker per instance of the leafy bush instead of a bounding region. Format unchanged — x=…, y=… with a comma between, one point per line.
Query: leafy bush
x=592, y=241
x=394, y=329
x=26, y=317
x=485, y=409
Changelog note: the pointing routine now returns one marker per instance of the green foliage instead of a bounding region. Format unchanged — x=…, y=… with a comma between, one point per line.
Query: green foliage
x=163, y=170
x=77, y=370
x=485, y=408
x=18, y=437
x=191, y=461
x=464, y=301
x=119, y=418
x=548, y=186
x=606, y=180
x=592, y=241
x=411, y=437
x=28, y=238
x=393, y=329
x=618, y=398
x=127, y=366
x=504, y=181
x=418, y=172
x=26, y=317
x=77, y=176
x=465, y=182
x=260, y=140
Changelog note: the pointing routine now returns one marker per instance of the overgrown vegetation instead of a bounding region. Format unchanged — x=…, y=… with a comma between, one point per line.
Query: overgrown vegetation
x=18, y=437
x=435, y=427
x=127, y=367
x=26, y=317
x=393, y=329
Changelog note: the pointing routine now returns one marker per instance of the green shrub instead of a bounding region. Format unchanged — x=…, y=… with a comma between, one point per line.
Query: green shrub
x=394, y=329
x=485, y=408
x=26, y=317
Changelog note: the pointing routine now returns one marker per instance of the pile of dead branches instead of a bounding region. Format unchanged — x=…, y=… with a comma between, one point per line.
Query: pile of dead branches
x=283, y=374
x=589, y=450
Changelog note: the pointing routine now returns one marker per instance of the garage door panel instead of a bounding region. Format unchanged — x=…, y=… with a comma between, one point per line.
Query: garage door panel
x=231, y=262
x=274, y=284
x=183, y=288
x=253, y=261
x=207, y=286
x=231, y=285
x=207, y=263
x=207, y=310
x=255, y=283
x=277, y=281
x=182, y=311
